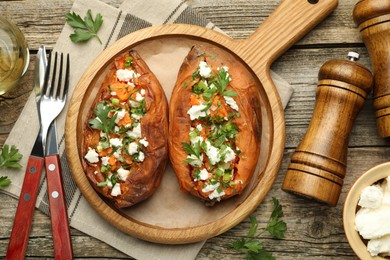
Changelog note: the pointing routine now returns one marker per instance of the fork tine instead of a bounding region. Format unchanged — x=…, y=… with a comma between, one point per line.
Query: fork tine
x=57, y=94
x=47, y=74
x=52, y=90
x=66, y=86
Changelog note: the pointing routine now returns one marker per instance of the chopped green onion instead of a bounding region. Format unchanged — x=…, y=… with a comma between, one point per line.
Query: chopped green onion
x=102, y=184
x=115, y=101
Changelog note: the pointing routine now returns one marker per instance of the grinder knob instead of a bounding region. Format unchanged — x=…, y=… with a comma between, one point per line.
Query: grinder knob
x=373, y=19
x=318, y=165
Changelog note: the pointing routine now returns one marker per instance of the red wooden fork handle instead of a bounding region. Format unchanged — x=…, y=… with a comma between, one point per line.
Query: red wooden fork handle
x=24, y=213
x=58, y=213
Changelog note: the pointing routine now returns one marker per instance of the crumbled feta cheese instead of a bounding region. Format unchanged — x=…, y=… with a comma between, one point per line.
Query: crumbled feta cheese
x=136, y=116
x=199, y=127
x=136, y=132
x=231, y=102
x=105, y=160
x=139, y=97
x=117, y=154
x=204, y=69
x=134, y=103
x=116, y=128
x=378, y=246
x=133, y=148
x=210, y=187
x=196, y=139
x=144, y=142
x=371, y=197
x=119, y=115
x=122, y=173
x=196, y=111
x=373, y=223
x=212, y=153
x=216, y=195
x=141, y=156
x=126, y=75
x=92, y=156
x=143, y=92
x=116, y=142
x=113, y=93
x=95, y=172
x=203, y=175
x=230, y=155
x=372, y=219
x=116, y=190
x=108, y=180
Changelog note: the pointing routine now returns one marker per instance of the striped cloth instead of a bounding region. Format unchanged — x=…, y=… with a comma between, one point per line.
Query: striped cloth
x=131, y=16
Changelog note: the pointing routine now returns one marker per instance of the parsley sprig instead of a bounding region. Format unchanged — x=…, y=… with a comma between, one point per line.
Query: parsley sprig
x=4, y=182
x=251, y=246
x=84, y=29
x=102, y=121
x=9, y=158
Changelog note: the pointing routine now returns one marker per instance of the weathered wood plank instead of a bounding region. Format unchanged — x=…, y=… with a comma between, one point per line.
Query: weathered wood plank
x=237, y=18
x=240, y=18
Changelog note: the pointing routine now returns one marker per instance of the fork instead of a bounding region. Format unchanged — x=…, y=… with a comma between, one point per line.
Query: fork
x=53, y=101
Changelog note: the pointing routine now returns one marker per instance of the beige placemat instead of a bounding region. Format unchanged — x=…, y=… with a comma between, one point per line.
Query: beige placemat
x=131, y=16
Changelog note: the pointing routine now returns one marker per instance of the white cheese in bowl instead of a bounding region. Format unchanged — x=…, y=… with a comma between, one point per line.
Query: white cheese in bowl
x=372, y=219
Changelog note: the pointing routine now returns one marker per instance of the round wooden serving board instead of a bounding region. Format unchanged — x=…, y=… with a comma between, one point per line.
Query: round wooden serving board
x=171, y=216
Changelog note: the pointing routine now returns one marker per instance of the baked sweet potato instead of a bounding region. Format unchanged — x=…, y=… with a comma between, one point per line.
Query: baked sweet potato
x=125, y=149
x=214, y=127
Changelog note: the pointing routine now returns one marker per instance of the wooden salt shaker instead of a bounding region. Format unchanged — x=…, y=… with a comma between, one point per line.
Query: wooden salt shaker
x=318, y=165
x=373, y=19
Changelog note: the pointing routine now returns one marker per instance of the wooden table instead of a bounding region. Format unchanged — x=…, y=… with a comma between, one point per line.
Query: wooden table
x=315, y=231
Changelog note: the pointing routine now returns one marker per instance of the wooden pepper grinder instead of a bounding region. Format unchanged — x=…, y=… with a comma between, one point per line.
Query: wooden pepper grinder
x=373, y=19
x=318, y=165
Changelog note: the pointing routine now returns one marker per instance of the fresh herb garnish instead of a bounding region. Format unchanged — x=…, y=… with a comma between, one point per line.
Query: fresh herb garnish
x=9, y=159
x=128, y=62
x=84, y=29
x=4, y=181
x=189, y=149
x=102, y=121
x=251, y=245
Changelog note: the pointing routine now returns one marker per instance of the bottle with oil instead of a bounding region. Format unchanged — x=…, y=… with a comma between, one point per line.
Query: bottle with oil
x=14, y=55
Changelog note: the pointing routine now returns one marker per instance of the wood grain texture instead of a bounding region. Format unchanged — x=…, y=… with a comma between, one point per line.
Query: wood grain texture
x=314, y=231
x=372, y=17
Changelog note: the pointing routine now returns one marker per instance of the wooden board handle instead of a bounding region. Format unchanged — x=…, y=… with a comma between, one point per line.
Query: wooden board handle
x=58, y=214
x=290, y=21
x=24, y=213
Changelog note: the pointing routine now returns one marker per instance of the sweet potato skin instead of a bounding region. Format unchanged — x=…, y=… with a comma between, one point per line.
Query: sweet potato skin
x=144, y=177
x=249, y=121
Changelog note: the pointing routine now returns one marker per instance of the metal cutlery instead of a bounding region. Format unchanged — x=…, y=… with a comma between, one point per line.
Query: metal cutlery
x=52, y=103
x=51, y=87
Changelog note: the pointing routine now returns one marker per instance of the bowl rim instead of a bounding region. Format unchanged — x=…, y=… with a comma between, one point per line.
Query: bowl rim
x=368, y=178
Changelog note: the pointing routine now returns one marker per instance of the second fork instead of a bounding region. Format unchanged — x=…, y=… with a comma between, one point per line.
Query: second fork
x=52, y=103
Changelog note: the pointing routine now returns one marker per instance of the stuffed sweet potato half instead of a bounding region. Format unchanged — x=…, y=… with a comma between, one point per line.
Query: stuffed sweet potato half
x=125, y=149
x=215, y=131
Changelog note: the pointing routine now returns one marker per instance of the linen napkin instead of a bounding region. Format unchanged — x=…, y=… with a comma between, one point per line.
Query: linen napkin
x=131, y=16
